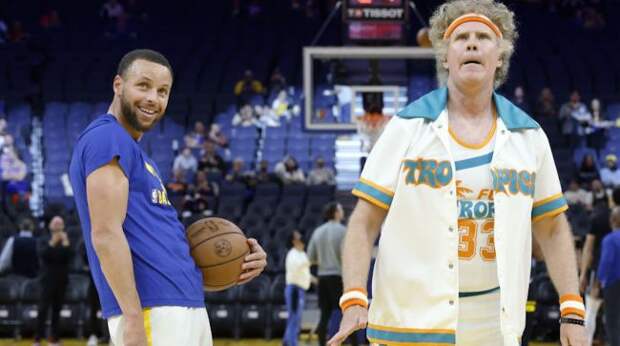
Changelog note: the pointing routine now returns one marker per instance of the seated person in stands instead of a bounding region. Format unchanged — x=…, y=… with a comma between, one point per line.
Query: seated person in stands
x=245, y=117
x=610, y=174
x=56, y=255
x=587, y=171
x=289, y=172
x=216, y=136
x=266, y=116
x=186, y=163
x=14, y=173
x=211, y=161
x=248, y=87
x=196, y=202
x=577, y=195
x=19, y=255
x=277, y=81
x=178, y=185
x=320, y=174
x=280, y=106
x=237, y=173
x=263, y=175
x=545, y=106
x=195, y=138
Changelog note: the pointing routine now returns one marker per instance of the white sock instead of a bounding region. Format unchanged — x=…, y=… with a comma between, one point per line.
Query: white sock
x=592, y=306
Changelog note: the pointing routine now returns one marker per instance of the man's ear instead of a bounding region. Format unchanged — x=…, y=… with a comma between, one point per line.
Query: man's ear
x=117, y=84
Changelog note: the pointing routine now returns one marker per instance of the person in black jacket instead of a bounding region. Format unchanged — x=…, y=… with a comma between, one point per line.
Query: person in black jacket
x=56, y=255
x=19, y=255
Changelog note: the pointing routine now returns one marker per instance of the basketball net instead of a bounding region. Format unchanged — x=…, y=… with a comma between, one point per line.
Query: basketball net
x=370, y=126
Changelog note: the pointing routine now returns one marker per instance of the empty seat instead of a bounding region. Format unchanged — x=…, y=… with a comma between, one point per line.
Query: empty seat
x=9, y=298
x=278, y=312
x=222, y=308
x=253, y=313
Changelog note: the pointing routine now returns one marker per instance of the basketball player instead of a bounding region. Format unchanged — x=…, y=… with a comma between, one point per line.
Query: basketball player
x=149, y=286
x=456, y=185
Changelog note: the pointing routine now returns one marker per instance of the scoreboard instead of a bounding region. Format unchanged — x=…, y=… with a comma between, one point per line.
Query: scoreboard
x=375, y=21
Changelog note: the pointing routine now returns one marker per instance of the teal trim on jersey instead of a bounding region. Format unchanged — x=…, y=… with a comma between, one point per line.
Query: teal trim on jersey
x=409, y=337
x=432, y=104
x=374, y=193
x=550, y=206
x=477, y=293
x=473, y=162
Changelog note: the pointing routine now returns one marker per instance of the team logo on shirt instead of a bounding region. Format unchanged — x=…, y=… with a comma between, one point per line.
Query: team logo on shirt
x=512, y=182
x=158, y=195
x=428, y=172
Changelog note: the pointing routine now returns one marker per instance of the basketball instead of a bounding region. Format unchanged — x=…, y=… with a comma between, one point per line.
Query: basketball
x=219, y=248
x=423, y=39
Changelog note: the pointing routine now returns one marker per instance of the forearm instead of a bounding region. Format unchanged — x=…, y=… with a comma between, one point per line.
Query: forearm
x=586, y=256
x=556, y=241
x=357, y=250
x=113, y=252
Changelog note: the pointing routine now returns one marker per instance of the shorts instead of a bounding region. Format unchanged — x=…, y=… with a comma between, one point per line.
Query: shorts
x=479, y=321
x=169, y=325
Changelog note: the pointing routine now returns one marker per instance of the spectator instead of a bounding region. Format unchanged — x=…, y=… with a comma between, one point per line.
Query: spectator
x=599, y=195
x=324, y=251
x=178, y=185
x=281, y=107
x=237, y=173
x=297, y=283
x=575, y=118
x=610, y=175
x=320, y=174
x=545, y=107
x=519, y=99
x=245, y=117
x=186, y=162
x=277, y=82
x=14, y=173
x=587, y=171
x=204, y=187
x=216, y=136
x=288, y=171
x=211, y=161
x=596, y=110
x=266, y=117
x=19, y=254
x=56, y=255
x=577, y=195
x=596, y=135
x=609, y=275
x=50, y=20
x=197, y=137
x=248, y=87
x=263, y=175
x=599, y=228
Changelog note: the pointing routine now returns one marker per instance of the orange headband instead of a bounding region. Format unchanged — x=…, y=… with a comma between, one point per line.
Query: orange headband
x=472, y=17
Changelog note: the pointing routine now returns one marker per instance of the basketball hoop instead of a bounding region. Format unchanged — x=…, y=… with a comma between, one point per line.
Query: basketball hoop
x=370, y=126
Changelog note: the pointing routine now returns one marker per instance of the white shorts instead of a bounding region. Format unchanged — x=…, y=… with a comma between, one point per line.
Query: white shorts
x=169, y=325
x=478, y=323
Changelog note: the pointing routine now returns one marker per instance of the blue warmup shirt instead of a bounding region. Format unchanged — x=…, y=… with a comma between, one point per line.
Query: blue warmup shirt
x=165, y=273
x=609, y=264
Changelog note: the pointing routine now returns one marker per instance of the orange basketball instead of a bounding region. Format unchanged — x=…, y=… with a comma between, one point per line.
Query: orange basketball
x=219, y=248
x=423, y=38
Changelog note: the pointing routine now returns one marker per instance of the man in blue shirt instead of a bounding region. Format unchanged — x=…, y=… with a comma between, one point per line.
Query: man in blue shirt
x=149, y=286
x=609, y=276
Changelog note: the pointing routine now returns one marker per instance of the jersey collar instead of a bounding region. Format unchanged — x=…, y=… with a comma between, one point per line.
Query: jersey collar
x=432, y=104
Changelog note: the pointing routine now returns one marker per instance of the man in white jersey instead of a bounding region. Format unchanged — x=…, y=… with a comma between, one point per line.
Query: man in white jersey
x=457, y=184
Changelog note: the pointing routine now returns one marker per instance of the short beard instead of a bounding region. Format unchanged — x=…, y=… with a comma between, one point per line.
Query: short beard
x=131, y=117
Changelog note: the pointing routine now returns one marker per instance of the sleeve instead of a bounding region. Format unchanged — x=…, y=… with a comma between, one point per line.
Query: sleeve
x=548, y=197
x=381, y=170
x=606, y=261
x=105, y=143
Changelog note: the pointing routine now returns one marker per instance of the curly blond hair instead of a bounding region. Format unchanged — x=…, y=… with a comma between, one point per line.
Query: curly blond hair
x=495, y=11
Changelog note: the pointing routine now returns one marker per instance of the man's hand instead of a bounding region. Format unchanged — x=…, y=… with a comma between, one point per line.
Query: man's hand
x=254, y=263
x=572, y=334
x=354, y=318
x=134, y=333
